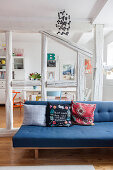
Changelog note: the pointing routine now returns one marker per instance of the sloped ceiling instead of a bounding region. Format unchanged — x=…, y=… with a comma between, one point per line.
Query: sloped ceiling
x=42, y=14
x=35, y=15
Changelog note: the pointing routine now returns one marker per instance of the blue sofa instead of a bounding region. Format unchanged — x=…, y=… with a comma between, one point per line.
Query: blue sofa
x=76, y=136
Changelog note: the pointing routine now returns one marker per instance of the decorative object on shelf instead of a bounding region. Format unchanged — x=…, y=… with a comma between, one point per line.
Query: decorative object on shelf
x=3, y=45
x=68, y=72
x=51, y=62
x=3, y=61
x=88, y=66
x=34, y=76
x=50, y=56
x=108, y=71
x=63, y=23
x=2, y=74
x=34, y=87
x=18, y=63
x=51, y=75
x=18, y=52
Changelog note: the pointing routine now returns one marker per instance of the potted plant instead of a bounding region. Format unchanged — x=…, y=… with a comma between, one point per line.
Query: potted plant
x=34, y=76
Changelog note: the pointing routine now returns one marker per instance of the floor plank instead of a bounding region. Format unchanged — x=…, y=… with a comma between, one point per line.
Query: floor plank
x=17, y=117
x=102, y=159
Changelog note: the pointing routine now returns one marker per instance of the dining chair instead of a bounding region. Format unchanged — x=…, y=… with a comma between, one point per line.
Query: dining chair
x=54, y=94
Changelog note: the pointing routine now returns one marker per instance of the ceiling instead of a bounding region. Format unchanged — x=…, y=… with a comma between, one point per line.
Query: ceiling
x=35, y=15
x=42, y=14
x=47, y=8
x=106, y=15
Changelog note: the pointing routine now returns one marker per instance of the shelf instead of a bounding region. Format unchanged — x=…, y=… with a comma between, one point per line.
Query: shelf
x=2, y=64
x=18, y=69
x=26, y=83
x=18, y=64
x=2, y=69
x=56, y=84
x=68, y=83
x=2, y=52
x=2, y=56
x=18, y=56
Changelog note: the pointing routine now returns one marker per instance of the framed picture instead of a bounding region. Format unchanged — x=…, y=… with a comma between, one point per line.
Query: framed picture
x=51, y=75
x=51, y=63
x=67, y=72
x=88, y=66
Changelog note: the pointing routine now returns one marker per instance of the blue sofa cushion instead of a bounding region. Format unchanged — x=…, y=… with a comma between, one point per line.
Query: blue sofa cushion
x=100, y=135
x=103, y=111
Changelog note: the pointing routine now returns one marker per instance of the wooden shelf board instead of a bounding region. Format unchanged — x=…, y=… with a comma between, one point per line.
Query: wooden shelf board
x=2, y=69
x=2, y=56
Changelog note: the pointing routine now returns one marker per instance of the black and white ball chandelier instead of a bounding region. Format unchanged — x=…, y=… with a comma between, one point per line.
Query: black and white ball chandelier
x=63, y=23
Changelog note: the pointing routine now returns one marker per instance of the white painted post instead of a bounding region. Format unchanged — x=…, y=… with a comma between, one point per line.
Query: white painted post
x=98, y=63
x=44, y=67
x=9, y=101
x=81, y=79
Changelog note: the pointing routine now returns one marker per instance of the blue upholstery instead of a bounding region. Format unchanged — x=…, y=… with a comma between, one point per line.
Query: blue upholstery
x=100, y=135
x=36, y=102
x=103, y=111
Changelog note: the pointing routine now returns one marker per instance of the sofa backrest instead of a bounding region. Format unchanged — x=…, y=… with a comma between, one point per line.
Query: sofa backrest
x=103, y=111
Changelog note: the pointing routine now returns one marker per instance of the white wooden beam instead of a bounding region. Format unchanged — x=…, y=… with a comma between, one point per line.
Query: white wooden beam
x=44, y=68
x=26, y=83
x=99, y=5
x=33, y=24
x=80, y=76
x=61, y=84
x=98, y=63
x=9, y=101
x=68, y=43
x=8, y=133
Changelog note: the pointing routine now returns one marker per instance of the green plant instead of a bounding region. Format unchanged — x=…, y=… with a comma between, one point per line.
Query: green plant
x=34, y=76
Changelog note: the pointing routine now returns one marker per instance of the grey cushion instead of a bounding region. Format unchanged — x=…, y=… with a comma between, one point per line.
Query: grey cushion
x=34, y=115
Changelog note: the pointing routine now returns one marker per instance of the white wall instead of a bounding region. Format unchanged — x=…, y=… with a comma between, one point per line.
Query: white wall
x=32, y=53
x=63, y=55
x=108, y=84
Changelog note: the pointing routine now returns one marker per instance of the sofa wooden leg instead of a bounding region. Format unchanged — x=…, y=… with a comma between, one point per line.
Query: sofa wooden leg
x=36, y=153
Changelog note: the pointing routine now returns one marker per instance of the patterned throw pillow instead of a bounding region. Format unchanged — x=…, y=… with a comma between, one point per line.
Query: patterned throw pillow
x=58, y=115
x=82, y=113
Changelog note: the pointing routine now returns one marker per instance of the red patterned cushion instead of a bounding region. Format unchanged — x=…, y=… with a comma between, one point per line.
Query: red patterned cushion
x=82, y=113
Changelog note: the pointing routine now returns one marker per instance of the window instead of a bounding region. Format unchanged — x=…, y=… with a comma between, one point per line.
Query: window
x=110, y=61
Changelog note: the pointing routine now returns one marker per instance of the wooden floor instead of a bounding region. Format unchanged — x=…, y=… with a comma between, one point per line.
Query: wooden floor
x=17, y=117
x=101, y=159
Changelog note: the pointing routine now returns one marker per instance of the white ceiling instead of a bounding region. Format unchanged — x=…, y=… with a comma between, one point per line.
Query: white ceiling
x=46, y=8
x=35, y=15
x=42, y=14
x=106, y=15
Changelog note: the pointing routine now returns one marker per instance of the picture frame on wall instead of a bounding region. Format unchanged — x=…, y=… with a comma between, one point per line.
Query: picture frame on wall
x=51, y=63
x=67, y=72
x=51, y=75
x=88, y=66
